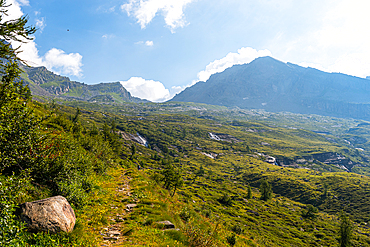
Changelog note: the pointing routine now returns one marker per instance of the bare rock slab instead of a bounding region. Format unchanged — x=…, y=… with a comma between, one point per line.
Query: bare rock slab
x=165, y=224
x=52, y=214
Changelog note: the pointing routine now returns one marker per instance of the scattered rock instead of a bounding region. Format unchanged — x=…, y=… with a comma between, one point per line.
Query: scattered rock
x=52, y=214
x=113, y=238
x=113, y=233
x=166, y=224
x=129, y=207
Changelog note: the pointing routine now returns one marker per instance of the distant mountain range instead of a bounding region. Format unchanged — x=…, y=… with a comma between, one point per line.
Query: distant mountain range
x=43, y=82
x=269, y=84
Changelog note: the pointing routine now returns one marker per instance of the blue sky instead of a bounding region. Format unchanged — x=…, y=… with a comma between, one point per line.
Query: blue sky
x=158, y=47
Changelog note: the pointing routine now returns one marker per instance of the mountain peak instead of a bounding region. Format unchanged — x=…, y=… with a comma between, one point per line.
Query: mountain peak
x=267, y=83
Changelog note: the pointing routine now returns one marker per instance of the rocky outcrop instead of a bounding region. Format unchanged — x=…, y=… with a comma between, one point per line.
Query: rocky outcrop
x=52, y=215
x=165, y=224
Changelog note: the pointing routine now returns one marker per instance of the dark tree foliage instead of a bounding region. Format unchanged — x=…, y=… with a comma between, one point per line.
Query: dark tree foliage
x=345, y=231
x=19, y=137
x=133, y=151
x=18, y=126
x=231, y=240
x=249, y=192
x=225, y=199
x=266, y=191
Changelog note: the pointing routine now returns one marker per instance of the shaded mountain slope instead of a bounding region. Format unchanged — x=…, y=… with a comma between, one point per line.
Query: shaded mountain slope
x=272, y=85
x=43, y=82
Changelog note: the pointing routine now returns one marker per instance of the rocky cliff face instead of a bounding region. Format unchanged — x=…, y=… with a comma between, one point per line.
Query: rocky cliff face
x=272, y=85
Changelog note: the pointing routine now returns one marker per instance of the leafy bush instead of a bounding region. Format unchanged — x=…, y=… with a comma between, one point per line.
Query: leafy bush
x=231, y=240
x=310, y=212
x=237, y=229
x=10, y=228
x=225, y=199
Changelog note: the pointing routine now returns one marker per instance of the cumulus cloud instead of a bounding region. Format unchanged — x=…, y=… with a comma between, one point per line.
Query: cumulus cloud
x=14, y=11
x=149, y=43
x=62, y=63
x=55, y=60
x=147, y=89
x=244, y=55
x=145, y=10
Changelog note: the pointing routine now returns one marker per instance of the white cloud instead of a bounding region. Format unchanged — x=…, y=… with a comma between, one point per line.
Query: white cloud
x=40, y=24
x=145, y=10
x=244, y=55
x=55, y=60
x=24, y=2
x=149, y=43
x=62, y=63
x=147, y=89
x=108, y=36
x=14, y=11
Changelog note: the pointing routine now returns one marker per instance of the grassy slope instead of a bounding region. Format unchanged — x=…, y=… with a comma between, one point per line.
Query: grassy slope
x=196, y=209
x=279, y=218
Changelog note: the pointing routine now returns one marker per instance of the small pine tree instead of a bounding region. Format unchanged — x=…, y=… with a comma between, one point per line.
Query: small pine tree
x=345, y=231
x=133, y=151
x=266, y=191
x=249, y=193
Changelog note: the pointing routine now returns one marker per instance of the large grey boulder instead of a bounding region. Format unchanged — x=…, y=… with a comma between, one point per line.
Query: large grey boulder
x=52, y=214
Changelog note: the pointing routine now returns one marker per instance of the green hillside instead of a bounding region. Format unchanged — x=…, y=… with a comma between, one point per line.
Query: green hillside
x=212, y=207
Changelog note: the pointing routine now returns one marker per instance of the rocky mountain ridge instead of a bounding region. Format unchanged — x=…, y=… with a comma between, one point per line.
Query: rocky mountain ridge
x=272, y=85
x=43, y=82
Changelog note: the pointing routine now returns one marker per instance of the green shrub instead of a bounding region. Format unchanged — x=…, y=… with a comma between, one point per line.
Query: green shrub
x=266, y=191
x=310, y=212
x=10, y=229
x=237, y=229
x=231, y=240
x=225, y=199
